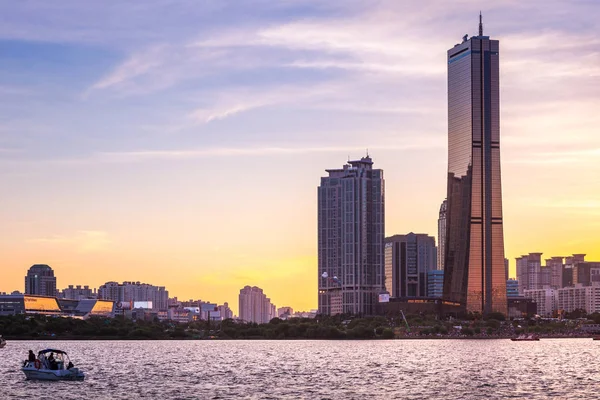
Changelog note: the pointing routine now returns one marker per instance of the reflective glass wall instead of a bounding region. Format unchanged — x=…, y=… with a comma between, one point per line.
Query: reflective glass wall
x=474, y=253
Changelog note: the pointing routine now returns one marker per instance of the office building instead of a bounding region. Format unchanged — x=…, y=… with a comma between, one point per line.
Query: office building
x=435, y=283
x=442, y=235
x=474, y=264
x=255, y=306
x=408, y=259
x=512, y=288
x=350, y=238
x=521, y=307
x=40, y=280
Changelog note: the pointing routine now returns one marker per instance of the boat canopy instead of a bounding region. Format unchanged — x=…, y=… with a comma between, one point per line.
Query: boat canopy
x=51, y=351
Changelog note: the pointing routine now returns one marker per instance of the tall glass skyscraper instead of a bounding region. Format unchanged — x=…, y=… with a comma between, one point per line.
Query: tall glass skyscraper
x=351, y=238
x=441, y=250
x=474, y=259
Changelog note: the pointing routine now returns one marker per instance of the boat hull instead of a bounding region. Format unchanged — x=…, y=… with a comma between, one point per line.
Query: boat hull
x=53, y=375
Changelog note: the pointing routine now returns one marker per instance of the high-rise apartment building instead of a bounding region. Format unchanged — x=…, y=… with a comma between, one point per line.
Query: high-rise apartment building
x=255, y=306
x=546, y=300
x=529, y=272
x=474, y=263
x=585, y=273
x=78, y=293
x=225, y=311
x=571, y=298
x=351, y=238
x=131, y=292
x=569, y=266
x=408, y=259
x=555, y=266
x=40, y=280
x=441, y=250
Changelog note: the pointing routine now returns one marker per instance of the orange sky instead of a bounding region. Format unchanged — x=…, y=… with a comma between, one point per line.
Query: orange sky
x=189, y=156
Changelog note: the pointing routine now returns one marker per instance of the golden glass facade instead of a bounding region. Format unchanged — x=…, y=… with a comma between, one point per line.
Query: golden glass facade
x=474, y=248
x=102, y=307
x=44, y=305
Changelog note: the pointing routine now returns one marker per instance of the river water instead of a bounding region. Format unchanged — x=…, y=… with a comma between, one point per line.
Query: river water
x=392, y=369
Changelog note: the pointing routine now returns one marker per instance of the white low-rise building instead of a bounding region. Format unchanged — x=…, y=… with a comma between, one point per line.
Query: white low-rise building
x=546, y=300
x=593, y=298
x=572, y=298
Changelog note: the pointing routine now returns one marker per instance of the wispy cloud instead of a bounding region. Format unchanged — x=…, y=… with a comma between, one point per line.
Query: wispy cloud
x=138, y=64
x=557, y=157
x=84, y=241
x=146, y=155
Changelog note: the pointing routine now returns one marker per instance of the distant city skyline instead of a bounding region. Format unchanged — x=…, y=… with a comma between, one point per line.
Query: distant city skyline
x=181, y=145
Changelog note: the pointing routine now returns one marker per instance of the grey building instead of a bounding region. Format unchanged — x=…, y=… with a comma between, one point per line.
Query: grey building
x=408, y=259
x=474, y=273
x=442, y=235
x=40, y=280
x=350, y=238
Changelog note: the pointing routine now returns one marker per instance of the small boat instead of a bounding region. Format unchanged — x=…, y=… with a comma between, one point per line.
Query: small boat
x=526, y=338
x=52, y=365
x=596, y=338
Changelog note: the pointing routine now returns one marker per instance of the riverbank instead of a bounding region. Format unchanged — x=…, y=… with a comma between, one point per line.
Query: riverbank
x=116, y=338
x=322, y=328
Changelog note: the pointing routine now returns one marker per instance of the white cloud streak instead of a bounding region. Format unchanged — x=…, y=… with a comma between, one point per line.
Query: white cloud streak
x=84, y=241
x=147, y=155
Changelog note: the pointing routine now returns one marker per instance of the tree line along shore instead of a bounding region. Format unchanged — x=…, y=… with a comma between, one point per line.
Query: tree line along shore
x=323, y=327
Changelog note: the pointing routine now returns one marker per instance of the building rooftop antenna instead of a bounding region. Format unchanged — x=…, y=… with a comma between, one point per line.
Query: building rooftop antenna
x=480, y=24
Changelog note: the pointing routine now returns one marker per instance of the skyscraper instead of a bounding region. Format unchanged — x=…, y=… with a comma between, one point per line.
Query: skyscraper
x=40, y=280
x=350, y=238
x=442, y=235
x=474, y=260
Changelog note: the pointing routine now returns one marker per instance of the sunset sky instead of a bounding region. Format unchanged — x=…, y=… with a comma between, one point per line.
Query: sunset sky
x=180, y=143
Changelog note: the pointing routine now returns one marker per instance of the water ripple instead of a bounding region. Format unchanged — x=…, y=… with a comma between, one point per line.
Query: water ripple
x=410, y=369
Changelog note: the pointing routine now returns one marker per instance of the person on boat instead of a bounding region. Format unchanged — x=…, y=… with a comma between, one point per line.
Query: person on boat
x=31, y=356
x=53, y=364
